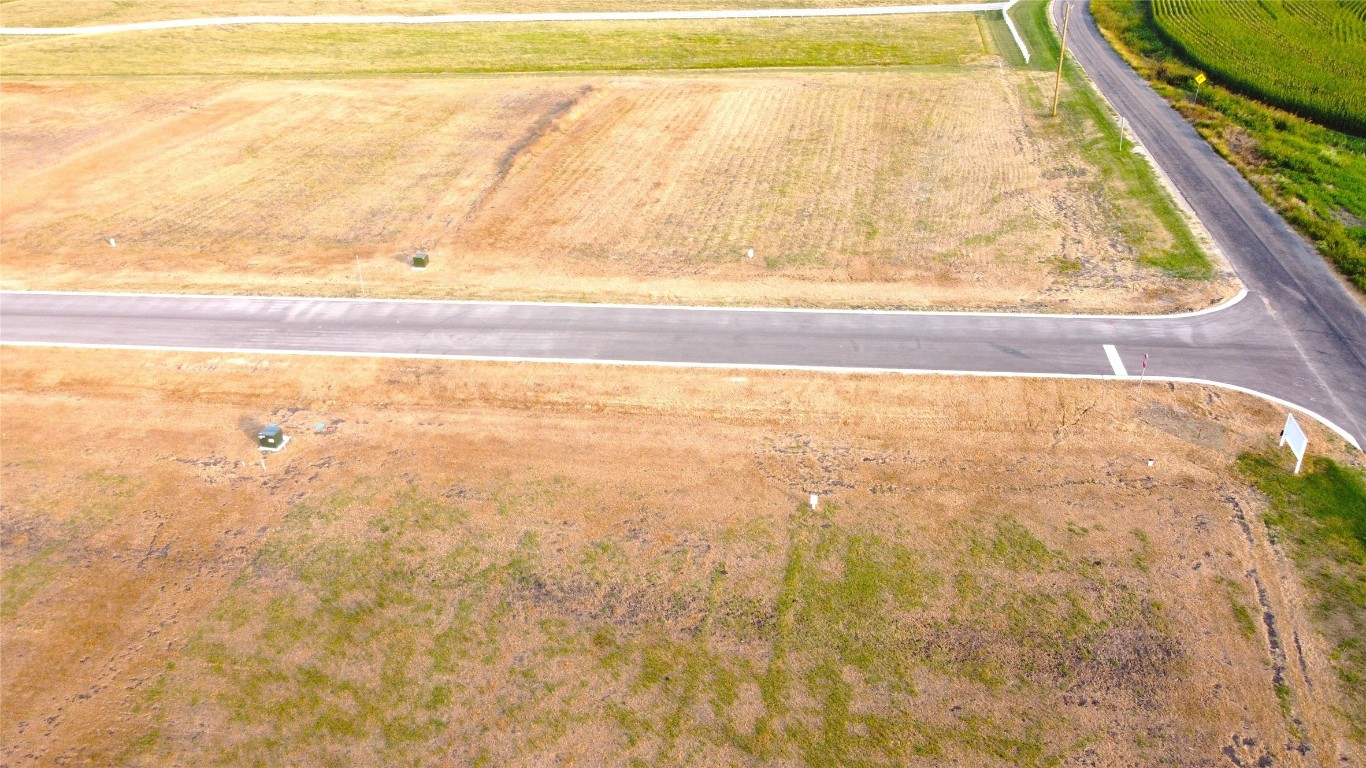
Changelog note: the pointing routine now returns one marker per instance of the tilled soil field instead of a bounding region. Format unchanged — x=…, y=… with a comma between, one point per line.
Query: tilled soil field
x=892, y=188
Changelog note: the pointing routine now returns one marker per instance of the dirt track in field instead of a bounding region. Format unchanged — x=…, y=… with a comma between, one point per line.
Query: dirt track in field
x=23, y=13
x=882, y=189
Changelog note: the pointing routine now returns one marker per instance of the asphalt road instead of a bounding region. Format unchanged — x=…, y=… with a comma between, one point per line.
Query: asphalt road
x=1298, y=335
x=504, y=18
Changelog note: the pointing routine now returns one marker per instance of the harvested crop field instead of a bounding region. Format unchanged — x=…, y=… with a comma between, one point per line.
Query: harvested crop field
x=876, y=188
x=524, y=565
x=66, y=13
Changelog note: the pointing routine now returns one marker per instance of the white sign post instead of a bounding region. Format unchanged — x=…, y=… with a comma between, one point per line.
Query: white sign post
x=1295, y=436
x=1122, y=125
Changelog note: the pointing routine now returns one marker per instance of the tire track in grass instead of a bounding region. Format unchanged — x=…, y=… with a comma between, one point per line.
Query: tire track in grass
x=554, y=120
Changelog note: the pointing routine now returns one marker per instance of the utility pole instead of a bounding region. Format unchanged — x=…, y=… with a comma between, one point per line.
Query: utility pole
x=1062, y=54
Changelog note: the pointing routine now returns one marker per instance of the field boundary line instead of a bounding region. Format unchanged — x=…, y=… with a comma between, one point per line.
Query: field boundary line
x=1339, y=431
x=482, y=18
x=1223, y=305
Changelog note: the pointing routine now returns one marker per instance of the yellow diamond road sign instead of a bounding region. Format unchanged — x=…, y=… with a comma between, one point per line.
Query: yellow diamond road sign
x=1200, y=78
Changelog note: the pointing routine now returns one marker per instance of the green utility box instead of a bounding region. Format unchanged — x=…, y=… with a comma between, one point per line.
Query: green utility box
x=271, y=437
x=420, y=260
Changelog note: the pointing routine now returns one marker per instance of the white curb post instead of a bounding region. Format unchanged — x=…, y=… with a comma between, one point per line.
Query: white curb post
x=1019, y=41
x=1295, y=436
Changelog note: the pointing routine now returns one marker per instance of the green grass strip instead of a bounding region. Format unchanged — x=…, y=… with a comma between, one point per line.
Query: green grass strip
x=1086, y=116
x=1321, y=514
x=936, y=39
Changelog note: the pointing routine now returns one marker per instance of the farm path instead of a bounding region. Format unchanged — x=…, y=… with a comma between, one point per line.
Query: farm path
x=475, y=18
x=1299, y=337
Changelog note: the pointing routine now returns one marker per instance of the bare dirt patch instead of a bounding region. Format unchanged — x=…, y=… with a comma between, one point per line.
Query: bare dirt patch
x=897, y=188
x=528, y=564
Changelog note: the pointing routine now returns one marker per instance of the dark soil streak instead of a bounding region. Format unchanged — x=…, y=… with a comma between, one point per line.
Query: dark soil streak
x=1274, y=643
x=533, y=136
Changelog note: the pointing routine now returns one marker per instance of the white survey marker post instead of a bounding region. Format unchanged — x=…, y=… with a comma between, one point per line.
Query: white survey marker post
x=1295, y=436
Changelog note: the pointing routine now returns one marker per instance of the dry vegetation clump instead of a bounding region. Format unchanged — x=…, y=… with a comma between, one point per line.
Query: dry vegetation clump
x=896, y=188
x=521, y=564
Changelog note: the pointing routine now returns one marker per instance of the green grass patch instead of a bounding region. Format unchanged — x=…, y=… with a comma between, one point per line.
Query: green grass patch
x=1321, y=514
x=25, y=579
x=1314, y=176
x=389, y=627
x=1237, y=601
x=919, y=40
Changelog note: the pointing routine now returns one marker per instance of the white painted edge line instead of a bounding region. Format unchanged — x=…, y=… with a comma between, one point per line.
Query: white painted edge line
x=1339, y=431
x=475, y=18
x=1242, y=294
x=1015, y=33
x=1115, y=362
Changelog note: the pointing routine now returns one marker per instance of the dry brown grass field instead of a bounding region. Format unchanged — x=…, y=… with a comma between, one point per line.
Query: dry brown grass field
x=531, y=565
x=66, y=13
x=880, y=188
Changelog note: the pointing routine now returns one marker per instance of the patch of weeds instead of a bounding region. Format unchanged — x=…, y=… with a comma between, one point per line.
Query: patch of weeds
x=1143, y=555
x=385, y=633
x=355, y=648
x=1065, y=266
x=1321, y=515
x=1012, y=546
x=24, y=580
x=1242, y=615
x=536, y=494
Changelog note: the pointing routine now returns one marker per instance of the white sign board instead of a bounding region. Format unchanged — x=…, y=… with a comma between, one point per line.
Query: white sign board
x=1295, y=436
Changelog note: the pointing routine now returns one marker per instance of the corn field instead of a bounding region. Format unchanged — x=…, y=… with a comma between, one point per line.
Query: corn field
x=1308, y=56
